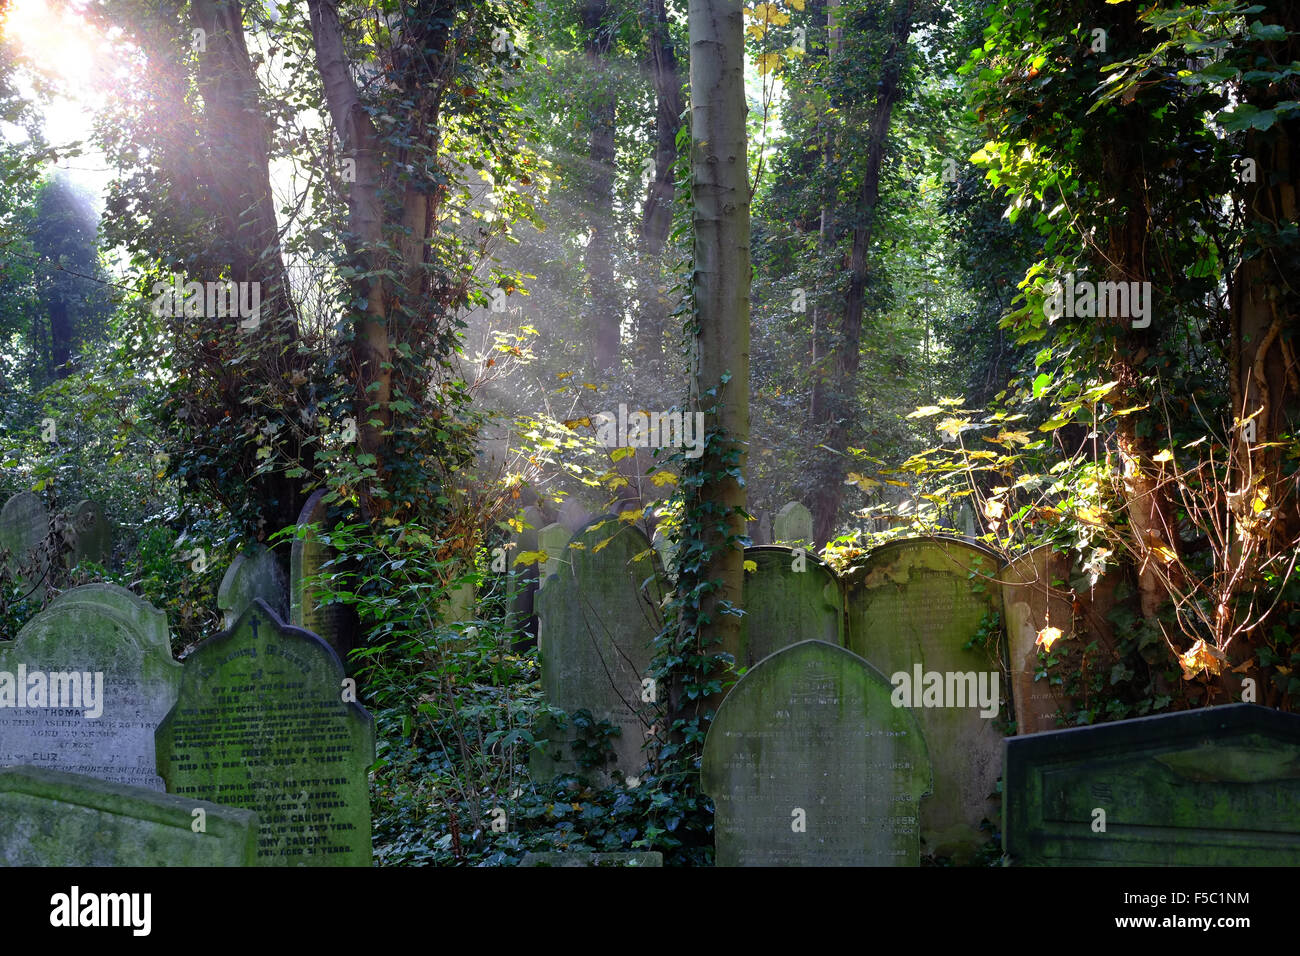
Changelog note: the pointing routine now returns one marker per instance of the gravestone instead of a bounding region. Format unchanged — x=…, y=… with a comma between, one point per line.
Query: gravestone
x=583, y=858
x=521, y=580
x=760, y=529
x=1034, y=598
x=99, y=640
x=51, y=818
x=790, y=596
x=92, y=534
x=1213, y=787
x=595, y=631
x=252, y=575
x=335, y=623
x=261, y=724
x=810, y=764
x=574, y=516
x=793, y=525
x=553, y=540
x=912, y=606
x=24, y=524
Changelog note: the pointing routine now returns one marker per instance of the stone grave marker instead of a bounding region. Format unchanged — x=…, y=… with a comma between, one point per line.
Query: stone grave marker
x=809, y=764
x=261, y=724
x=252, y=575
x=24, y=523
x=595, y=631
x=335, y=623
x=760, y=529
x=582, y=858
x=85, y=684
x=912, y=606
x=51, y=818
x=92, y=534
x=553, y=539
x=793, y=525
x=574, y=516
x=790, y=596
x=1218, y=786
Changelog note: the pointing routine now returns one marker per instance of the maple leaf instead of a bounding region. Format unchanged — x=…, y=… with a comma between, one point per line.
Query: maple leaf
x=767, y=62
x=575, y=423
x=1047, y=637
x=1201, y=657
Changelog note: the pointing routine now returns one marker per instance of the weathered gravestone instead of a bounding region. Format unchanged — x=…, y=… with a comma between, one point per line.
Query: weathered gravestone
x=912, y=606
x=760, y=529
x=261, y=724
x=252, y=575
x=335, y=623
x=51, y=818
x=790, y=596
x=85, y=684
x=597, y=618
x=809, y=764
x=24, y=523
x=1038, y=592
x=552, y=541
x=574, y=516
x=581, y=858
x=793, y=525
x=1212, y=787
x=92, y=535
x=1034, y=599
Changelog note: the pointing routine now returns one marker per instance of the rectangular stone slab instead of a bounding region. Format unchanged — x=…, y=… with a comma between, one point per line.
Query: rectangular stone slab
x=51, y=818
x=1213, y=787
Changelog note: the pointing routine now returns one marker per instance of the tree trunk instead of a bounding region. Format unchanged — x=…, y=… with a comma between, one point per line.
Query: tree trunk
x=605, y=315
x=657, y=218
x=722, y=274
x=837, y=407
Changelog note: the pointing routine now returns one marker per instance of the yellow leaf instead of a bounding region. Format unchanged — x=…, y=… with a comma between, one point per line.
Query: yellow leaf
x=1261, y=501
x=897, y=484
x=390, y=521
x=530, y=557
x=1089, y=515
x=1047, y=637
x=769, y=13
x=924, y=411
x=1201, y=657
x=600, y=545
x=796, y=4
x=590, y=386
x=1165, y=455
x=1011, y=438
x=862, y=481
x=767, y=62
x=661, y=478
x=994, y=508
x=563, y=375
x=574, y=423
x=618, y=454
x=643, y=555
x=627, y=517
x=751, y=566
x=1164, y=554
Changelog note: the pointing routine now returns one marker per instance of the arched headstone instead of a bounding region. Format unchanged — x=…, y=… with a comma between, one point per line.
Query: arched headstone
x=810, y=764
x=252, y=575
x=793, y=525
x=92, y=534
x=24, y=524
x=597, y=618
x=790, y=596
x=912, y=607
x=106, y=680
x=336, y=623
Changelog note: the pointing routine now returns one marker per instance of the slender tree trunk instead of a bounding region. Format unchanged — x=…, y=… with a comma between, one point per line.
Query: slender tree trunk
x=605, y=311
x=656, y=220
x=838, y=406
x=720, y=360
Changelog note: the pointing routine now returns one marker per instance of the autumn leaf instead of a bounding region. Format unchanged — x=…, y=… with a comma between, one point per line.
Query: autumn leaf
x=661, y=478
x=769, y=13
x=924, y=411
x=994, y=508
x=796, y=4
x=574, y=423
x=1201, y=657
x=862, y=481
x=1047, y=637
x=600, y=545
x=627, y=517
x=767, y=62
x=563, y=375
x=751, y=566
x=1165, y=455
x=1087, y=515
x=618, y=454
x=526, y=558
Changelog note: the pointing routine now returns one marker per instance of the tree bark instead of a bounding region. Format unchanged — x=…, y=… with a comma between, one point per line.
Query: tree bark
x=605, y=315
x=722, y=274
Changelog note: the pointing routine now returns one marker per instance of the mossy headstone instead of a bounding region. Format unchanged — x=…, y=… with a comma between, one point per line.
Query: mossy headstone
x=790, y=596
x=24, y=525
x=1213, y=787
x=810, y=764
x=96, y=674
x=913, y=607
x=597, y=618
x=92, y=534
x=51, y=818
x=254, y=574
x=793, y=525
x=334, y=622
x=265, y=722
